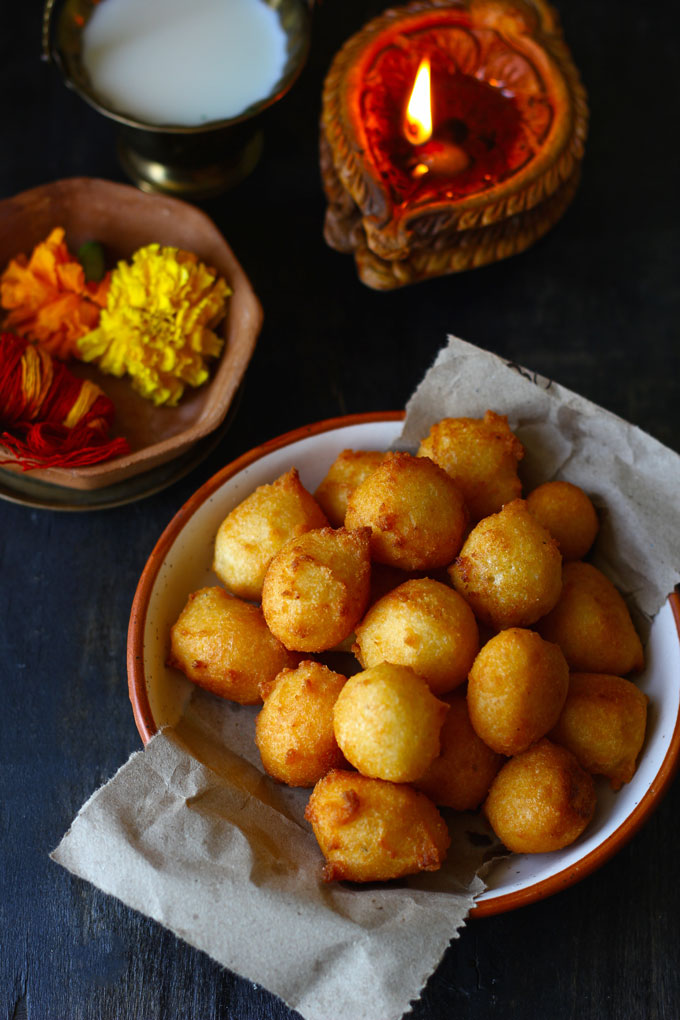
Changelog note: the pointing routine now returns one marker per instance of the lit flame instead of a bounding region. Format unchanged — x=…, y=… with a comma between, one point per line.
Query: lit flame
x=418, y=118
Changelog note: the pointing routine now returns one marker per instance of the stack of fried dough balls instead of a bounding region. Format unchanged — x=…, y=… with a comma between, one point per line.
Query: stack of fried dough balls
x=491, y=662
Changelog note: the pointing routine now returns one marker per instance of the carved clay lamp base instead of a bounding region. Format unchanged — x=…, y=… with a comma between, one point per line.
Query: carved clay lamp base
x=509, y=118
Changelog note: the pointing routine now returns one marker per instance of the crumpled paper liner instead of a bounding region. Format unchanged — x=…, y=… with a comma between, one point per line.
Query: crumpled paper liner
x=633, y=479
x=212, y=851
x=191, y=833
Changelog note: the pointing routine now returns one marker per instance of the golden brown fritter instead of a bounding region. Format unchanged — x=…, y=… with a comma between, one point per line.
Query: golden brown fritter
x=603, y=724
x=509, y=568
x=568, y=514
x=372, y=831
x=223, y=644
x=349, y=469
x=405, y=521
x=258, y=527
x=415, y=512
x=592, y=625
x=481, y=455
x=423, y=624
x=541, y=800
x=294, y=728
x=316, y=588
x=517, y=689
x=387, y=723
x=462, y=774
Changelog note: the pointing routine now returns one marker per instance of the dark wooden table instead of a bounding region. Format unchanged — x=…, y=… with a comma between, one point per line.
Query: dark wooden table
x=593, y=305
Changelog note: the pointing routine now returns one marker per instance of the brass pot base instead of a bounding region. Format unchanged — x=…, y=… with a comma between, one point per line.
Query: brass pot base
x=187, y=181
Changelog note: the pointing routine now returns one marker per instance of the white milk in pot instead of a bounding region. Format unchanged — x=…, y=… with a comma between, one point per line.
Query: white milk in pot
x=183, y=62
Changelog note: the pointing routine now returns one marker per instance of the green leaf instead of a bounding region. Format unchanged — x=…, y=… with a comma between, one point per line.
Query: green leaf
x=91, y=258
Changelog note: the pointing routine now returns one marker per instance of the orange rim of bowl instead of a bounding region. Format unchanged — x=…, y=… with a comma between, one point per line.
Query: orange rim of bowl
x=147, y=727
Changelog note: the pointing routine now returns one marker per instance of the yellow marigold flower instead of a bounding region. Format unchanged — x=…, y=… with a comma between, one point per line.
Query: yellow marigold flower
x=158, y=322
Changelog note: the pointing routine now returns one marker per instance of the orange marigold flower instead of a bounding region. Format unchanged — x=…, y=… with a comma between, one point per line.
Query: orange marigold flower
x=48, y=298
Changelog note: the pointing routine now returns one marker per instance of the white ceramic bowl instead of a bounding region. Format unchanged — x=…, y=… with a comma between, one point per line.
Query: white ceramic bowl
x=181, y=563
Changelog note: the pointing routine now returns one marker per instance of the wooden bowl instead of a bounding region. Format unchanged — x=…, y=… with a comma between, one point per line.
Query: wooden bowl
x=181, y=563
x=124, y=219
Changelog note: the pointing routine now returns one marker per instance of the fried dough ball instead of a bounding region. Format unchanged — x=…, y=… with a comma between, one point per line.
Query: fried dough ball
x=371, y=831
x=224, y=645
x=316, y=588
x=481, y=455
x=294, y=729
x=509, y=568
x=592, y=625
x=568, y=514
x=383, y=580
x=423, y=624
x=462, y=774
x=517, y=689
x=415, y=511
x=349, y=469
x=258, y=527
x=603, y=724
x=387, y=723
x=541, y=800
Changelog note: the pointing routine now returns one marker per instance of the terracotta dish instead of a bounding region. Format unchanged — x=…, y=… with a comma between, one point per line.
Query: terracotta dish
x=181, y=563
x=124, y=219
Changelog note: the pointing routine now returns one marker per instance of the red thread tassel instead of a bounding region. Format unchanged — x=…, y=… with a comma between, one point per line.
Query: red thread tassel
x=48, y=417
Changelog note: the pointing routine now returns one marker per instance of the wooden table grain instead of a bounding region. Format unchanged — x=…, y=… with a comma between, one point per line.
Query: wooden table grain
x=593, y=305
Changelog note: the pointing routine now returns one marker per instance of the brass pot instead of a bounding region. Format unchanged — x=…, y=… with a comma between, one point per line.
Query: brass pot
x=188, y=162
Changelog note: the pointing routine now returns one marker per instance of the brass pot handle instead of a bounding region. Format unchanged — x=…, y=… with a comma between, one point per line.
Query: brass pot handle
x=47, y=30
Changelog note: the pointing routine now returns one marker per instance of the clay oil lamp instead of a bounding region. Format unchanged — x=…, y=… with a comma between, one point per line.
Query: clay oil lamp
x=451, y=136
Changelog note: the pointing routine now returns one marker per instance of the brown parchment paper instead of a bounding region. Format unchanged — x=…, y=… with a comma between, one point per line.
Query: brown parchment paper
x=632, y=478
x=191, y=833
